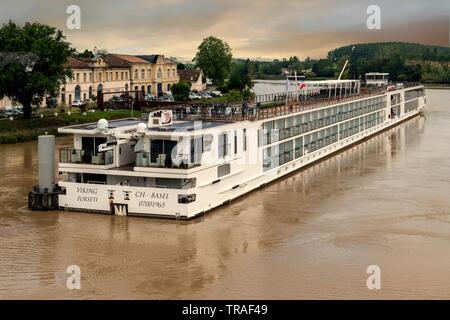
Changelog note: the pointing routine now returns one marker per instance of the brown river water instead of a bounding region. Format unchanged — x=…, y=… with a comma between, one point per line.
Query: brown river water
x=313, y=234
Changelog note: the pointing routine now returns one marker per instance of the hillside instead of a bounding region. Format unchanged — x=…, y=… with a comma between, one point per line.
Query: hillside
x=404, y=61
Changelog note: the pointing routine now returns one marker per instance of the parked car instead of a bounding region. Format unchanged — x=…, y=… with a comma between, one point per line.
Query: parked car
x=205, y=95
x=216, y=93
x=194, y=96
x=77, y=103
x=149, y=97
x=165, y=98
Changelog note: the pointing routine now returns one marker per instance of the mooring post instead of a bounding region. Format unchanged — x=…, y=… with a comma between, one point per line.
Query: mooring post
x=45, y=195
x=46, y=151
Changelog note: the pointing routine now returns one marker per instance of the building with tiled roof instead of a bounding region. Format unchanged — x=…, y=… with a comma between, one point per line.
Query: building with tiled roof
x=163, y=72
x=92, y=75
x=195, y=77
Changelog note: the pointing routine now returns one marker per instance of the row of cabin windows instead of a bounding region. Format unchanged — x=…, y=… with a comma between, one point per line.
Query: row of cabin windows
x=281, y=129
x=357, y=125
x=285, y=152
x=411, y=105
x=414, y=94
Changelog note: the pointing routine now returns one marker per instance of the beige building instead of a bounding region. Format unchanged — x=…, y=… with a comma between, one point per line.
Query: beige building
x=150, y=74
x=140, y=72
x=163, y=73
x=195, y=77
x=91, y=76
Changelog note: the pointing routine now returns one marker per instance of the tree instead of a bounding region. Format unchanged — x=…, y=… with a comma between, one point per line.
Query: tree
x=181, y=66
x=36, y=62
x=181, y=90
x=87, y=54
x=214, y=59
x=240, y=78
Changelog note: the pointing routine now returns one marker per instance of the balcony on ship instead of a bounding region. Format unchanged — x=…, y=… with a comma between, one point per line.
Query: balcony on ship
x=170, y=154
x=79, y=156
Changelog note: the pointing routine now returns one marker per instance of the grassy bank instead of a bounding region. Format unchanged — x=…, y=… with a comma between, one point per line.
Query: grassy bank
x=29, y=129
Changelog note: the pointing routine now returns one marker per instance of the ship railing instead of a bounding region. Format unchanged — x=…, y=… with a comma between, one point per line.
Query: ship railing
x=144, y=159
x=79, y=156
x=272, y=105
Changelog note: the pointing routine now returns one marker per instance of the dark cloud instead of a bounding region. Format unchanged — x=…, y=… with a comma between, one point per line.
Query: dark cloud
x=255, y=28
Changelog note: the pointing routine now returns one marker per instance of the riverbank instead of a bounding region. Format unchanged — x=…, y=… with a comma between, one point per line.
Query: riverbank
x=21, y=130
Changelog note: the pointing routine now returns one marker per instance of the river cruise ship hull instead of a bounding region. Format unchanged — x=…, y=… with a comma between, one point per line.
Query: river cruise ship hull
x=182, y=162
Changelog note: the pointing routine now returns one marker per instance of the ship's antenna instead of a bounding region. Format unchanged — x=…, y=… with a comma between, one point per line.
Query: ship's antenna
x=345, y=65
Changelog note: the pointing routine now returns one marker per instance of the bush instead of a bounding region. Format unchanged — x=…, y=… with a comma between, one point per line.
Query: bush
x=223, y=88
x=180, y=91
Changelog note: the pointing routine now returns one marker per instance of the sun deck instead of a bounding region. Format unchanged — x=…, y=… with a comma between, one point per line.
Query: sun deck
x=274, y=105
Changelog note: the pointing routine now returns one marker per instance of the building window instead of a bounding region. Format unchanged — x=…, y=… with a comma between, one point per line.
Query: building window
x=149, y=74
x=159, y=74
x=143, y=74
x=135, y=74
x=223, y=145
x=84, y=77
x=90, y=77
x=121, y=76
x=78, y=77
x=99, y=77
x=77, y=93
x=126, y=75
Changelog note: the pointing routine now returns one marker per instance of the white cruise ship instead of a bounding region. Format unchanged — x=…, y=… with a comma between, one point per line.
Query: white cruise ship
x=184, y=161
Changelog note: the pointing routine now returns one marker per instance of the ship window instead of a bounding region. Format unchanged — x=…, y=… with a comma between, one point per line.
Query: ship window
x=94, y=178
x=244, y=140
x=170, y=183
x=162, y=147
x=188, y=198
x=196, y=150
x=223, y=170
x=223, y=145
x=89, y=145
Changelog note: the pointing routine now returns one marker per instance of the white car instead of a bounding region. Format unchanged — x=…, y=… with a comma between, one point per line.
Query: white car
x=217, y=93
x=77, y=103
x=194, y=96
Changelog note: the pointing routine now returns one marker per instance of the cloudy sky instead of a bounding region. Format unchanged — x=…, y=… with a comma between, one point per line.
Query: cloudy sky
x=253, y=28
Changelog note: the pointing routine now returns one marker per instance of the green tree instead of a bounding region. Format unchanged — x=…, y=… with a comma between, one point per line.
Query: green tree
x=181, y=90
x=240, y=78
x=34, y=62
x=181, y=66
x=214, y=59
x=86, y=54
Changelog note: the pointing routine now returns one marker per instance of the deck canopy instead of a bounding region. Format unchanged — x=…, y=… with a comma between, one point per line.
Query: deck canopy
x=332, y=88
